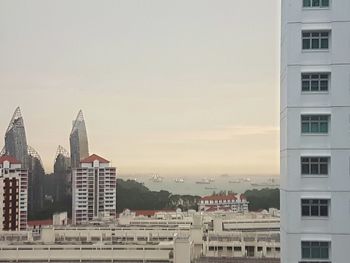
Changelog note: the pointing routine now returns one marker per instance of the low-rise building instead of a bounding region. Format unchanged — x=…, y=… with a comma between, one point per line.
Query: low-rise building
x=236, y=203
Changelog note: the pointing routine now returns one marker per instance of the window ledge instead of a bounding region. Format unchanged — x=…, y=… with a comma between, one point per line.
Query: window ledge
x=315, y=50
x=314, y=218
x=315, y=134
x=314, y=176
x=315, y=8
x=314, y=92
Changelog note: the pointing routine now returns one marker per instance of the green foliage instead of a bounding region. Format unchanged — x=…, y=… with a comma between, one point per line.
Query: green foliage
x=263, y=199
x=136, y=196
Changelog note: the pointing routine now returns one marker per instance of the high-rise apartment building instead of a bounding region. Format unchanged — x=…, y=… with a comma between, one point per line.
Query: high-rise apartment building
x=94, y=191
x=79, y=147
x=315, y=131
x=13, y=194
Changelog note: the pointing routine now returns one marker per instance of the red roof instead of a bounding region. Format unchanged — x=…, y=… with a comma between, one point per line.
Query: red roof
x=219, y=197
x=93, y=158
x=10, y=159
x=44, y=222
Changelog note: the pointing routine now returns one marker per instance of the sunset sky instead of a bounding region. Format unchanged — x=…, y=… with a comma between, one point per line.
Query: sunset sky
x=184, y=87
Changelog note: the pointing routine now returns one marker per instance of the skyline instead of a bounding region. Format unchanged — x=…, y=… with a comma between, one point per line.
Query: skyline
x=146, y=105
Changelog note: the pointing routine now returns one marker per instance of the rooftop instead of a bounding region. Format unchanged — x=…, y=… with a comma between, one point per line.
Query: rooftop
x=223, y=197
x=10, y=159
x=93, y=158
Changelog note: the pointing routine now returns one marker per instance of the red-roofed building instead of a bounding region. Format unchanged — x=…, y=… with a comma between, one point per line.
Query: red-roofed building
x=235, y=203
x=93, y=158
x=94, y=190
x=13, y=194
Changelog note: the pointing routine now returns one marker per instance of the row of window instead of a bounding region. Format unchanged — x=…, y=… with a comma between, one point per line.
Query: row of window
x=315, y=82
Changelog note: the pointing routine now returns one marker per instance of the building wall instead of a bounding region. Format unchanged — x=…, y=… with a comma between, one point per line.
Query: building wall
x=336, y=144
x=13, y=198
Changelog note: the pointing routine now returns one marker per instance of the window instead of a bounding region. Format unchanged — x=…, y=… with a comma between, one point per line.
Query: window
x=314, y=123
x=314, y=165
x=315, y=3
x=315, y=207
x=314, y=40
x=314, y=82
x=315, y=250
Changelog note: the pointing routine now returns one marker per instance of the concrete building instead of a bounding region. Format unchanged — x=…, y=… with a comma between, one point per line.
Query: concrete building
x=236, y=203
x=315, y=138
x=173, y=237
x=94, y=191
x=13, y=194
x=79, y=147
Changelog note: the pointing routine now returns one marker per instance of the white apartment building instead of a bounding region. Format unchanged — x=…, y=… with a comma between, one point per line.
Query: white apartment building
x=315, y=131
x=236, y=203
x=13, y=194
x=94, y=191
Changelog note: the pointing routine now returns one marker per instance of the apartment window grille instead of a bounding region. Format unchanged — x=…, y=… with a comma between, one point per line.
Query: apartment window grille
x=315, y=123
x=314, y=165
x=315, y=250
x=315, y=207
x=315, y=82
x=315, y=40
x=316, y=3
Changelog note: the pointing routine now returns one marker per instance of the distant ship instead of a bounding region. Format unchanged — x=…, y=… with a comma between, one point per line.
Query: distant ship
x=203, y=181
x=246, y=180
x=179, y=180
x=235, y=181
x=156, y=178
x=211, y=180
x=211, y=188
x=270, y=183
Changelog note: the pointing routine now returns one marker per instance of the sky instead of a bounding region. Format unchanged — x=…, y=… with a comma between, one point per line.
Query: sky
x=185, y=87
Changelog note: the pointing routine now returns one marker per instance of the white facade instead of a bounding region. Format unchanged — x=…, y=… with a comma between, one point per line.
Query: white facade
x=94, y=191
x=315, y=125
x=236, y=203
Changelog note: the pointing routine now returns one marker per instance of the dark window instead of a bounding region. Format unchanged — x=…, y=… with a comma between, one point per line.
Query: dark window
x=314, y=123
x=314, y=165
x=315, y=82
x=316, y=3
x=315, y=250
x=315, y=207
x=315, y=40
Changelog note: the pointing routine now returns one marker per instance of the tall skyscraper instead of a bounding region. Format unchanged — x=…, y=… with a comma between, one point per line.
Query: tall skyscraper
x=94, y=189
x=13, y=194
x=16, y=146
x=15, y=139
x=62, y=175
x=36, y=182
x=79, y=147
x=315, y=138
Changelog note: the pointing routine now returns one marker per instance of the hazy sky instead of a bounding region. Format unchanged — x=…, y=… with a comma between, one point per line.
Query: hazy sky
x=174, y=87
